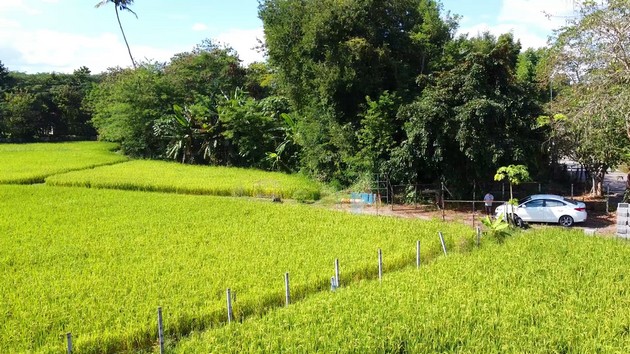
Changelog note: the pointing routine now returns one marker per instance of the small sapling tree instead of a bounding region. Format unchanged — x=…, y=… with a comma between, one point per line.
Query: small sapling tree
x=515, y=174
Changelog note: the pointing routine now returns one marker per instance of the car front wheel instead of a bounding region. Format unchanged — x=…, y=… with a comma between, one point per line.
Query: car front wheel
x=565, y=220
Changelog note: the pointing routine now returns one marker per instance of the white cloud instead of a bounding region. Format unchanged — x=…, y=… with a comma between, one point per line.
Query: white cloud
x=244, y=42
x=48, y=50
x=17, y=6
x=11, y=4
x=199, y=27
x=531, y=21
x=7, y=24
x=521, y=33
x=545, y=14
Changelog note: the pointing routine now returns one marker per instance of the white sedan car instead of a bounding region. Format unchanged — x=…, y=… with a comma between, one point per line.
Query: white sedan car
x=545, y=208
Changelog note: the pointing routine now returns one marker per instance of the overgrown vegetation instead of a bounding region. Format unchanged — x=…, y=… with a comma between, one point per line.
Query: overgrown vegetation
x=354, y=89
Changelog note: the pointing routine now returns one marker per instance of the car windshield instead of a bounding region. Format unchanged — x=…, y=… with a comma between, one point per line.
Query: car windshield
x=526, y=199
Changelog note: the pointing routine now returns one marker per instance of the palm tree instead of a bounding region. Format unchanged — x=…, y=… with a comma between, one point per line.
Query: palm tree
x=122, y=5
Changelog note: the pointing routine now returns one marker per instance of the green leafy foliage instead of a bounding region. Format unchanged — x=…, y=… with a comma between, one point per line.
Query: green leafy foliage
x=208, y=70
x=22, y=118
x=126, y=104
x=590, y=58
x=515, y=174
x=379, y=132
x=331, y=55
x=45, y=106
x=471, y=118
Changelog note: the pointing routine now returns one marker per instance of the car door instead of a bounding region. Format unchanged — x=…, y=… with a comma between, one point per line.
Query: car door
x=554, y=209
x=531, y=211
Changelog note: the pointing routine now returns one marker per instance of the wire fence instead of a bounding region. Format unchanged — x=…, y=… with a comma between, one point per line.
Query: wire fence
x=437, y=201
x=383, y=265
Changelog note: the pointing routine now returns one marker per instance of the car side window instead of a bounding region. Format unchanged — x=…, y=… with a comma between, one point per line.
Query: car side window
x=535, y=203
x=554, y=203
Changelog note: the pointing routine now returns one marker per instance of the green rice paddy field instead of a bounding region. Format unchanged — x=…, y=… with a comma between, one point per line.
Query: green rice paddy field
x=98, y=262
x=552, y=291
x=161, y=176
x=32, y=163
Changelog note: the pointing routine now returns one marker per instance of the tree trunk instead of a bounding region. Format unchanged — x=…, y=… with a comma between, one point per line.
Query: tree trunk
x=598, y=181
x=124, y=37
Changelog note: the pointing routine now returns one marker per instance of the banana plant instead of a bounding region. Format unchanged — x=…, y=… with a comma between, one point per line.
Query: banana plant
x=497, y=228
x=191, y=135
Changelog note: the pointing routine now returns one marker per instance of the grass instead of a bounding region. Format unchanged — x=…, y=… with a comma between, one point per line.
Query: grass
x=98, y=263
x=549, y=291
x=32, y=163
x=145, y=175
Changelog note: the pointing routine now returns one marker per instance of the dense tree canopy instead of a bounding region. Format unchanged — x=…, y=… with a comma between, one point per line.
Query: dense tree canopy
x=193, y=109
x=125, y=105
x=45, y=106
x=591, y=56
x=331, y=55
x=471, y=118
x=356, y=88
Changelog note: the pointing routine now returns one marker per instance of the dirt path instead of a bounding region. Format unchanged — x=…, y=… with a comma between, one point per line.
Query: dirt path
x=601, y=222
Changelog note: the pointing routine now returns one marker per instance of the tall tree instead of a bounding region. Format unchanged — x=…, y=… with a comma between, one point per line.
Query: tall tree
x=129, y=118
x=330, y=55
x=23, y=116
x=470, y=119
x=4, y=78
x=122, y=5
x=208, y=70
x=592, y=55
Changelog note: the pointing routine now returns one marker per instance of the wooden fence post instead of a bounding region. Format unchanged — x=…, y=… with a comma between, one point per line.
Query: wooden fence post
x=380, y=265
x=286, y=288
x=337, y=272
x=160, y=330
x=418, y=254
x=229, y=305
x=478, y=235
x=69, y=339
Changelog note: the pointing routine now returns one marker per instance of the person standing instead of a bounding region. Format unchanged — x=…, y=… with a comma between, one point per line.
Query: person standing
x=487, y=200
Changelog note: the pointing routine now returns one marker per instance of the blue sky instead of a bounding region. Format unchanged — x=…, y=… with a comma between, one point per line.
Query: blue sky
x=62, y=35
